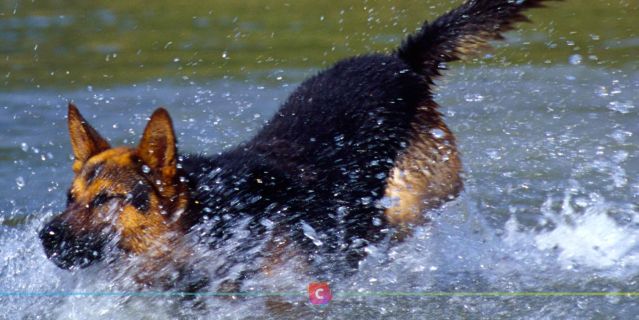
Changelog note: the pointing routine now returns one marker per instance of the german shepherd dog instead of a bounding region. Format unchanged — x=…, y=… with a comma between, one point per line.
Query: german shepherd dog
x=356, y=155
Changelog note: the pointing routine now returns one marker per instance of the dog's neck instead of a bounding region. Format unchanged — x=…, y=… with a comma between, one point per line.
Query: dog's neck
x=208, y=188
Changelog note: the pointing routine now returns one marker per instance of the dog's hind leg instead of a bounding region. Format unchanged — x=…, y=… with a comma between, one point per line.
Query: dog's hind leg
x=426, y=173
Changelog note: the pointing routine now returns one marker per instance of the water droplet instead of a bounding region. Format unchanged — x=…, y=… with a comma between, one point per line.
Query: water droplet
x=24, y=146
x=494, y=154
x=582, y=202
x=310, y=233
x=473, y=97
x=622, y=107
x=438, y=133
x=146, y=168
x=267, y=223
x=388, y=202
x=575, y=59
x=20, y=182
x=601, y=91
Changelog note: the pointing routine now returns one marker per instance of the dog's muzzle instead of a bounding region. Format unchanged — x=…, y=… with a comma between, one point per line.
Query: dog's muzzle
x=69, y=251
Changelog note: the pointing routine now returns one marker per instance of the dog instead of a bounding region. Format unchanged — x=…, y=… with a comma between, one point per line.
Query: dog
x=357, y=154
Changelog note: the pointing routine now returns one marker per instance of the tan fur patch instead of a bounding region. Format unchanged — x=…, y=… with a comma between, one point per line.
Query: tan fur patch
x=472, y=45
x=425, y=174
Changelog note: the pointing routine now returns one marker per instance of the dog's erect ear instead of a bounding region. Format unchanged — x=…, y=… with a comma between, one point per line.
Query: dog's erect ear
x=85, y=141
x=158, y=146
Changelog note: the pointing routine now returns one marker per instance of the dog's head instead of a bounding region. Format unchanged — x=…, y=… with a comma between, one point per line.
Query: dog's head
x=123, y=199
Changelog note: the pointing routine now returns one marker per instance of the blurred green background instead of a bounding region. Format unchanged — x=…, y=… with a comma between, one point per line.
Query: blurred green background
x=55, y=43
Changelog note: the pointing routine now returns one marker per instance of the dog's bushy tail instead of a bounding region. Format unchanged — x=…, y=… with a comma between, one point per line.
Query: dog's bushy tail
x=462, y=32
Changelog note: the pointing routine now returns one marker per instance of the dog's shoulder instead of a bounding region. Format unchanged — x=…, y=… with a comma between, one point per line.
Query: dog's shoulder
x=238, y=181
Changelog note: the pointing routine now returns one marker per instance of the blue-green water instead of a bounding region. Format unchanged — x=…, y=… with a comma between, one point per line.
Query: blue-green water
x=547, y=126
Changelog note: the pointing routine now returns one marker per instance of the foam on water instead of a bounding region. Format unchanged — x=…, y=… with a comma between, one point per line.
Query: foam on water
x=590, y=242
x=591, y=239
x=458, y=252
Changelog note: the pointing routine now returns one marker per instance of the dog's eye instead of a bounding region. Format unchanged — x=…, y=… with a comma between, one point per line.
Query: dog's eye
x=141, y=202
x=101, y=199
x=70, y=198
x=140, y=198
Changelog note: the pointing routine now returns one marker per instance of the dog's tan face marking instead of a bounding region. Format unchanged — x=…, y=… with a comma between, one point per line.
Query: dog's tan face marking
x=132, y=195
x=114, y=188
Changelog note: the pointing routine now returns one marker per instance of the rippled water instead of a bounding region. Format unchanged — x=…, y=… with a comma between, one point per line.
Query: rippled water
x=550, y=153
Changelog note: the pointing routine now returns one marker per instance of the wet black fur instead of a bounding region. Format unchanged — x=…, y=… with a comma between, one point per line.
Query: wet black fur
x=324, y=157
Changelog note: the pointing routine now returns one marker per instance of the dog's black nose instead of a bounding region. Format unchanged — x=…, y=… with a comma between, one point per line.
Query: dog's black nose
x=58, y=244
x=53, y=235
x=67, y=249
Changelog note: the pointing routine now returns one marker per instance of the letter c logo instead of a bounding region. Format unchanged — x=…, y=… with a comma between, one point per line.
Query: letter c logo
x=319, y=293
